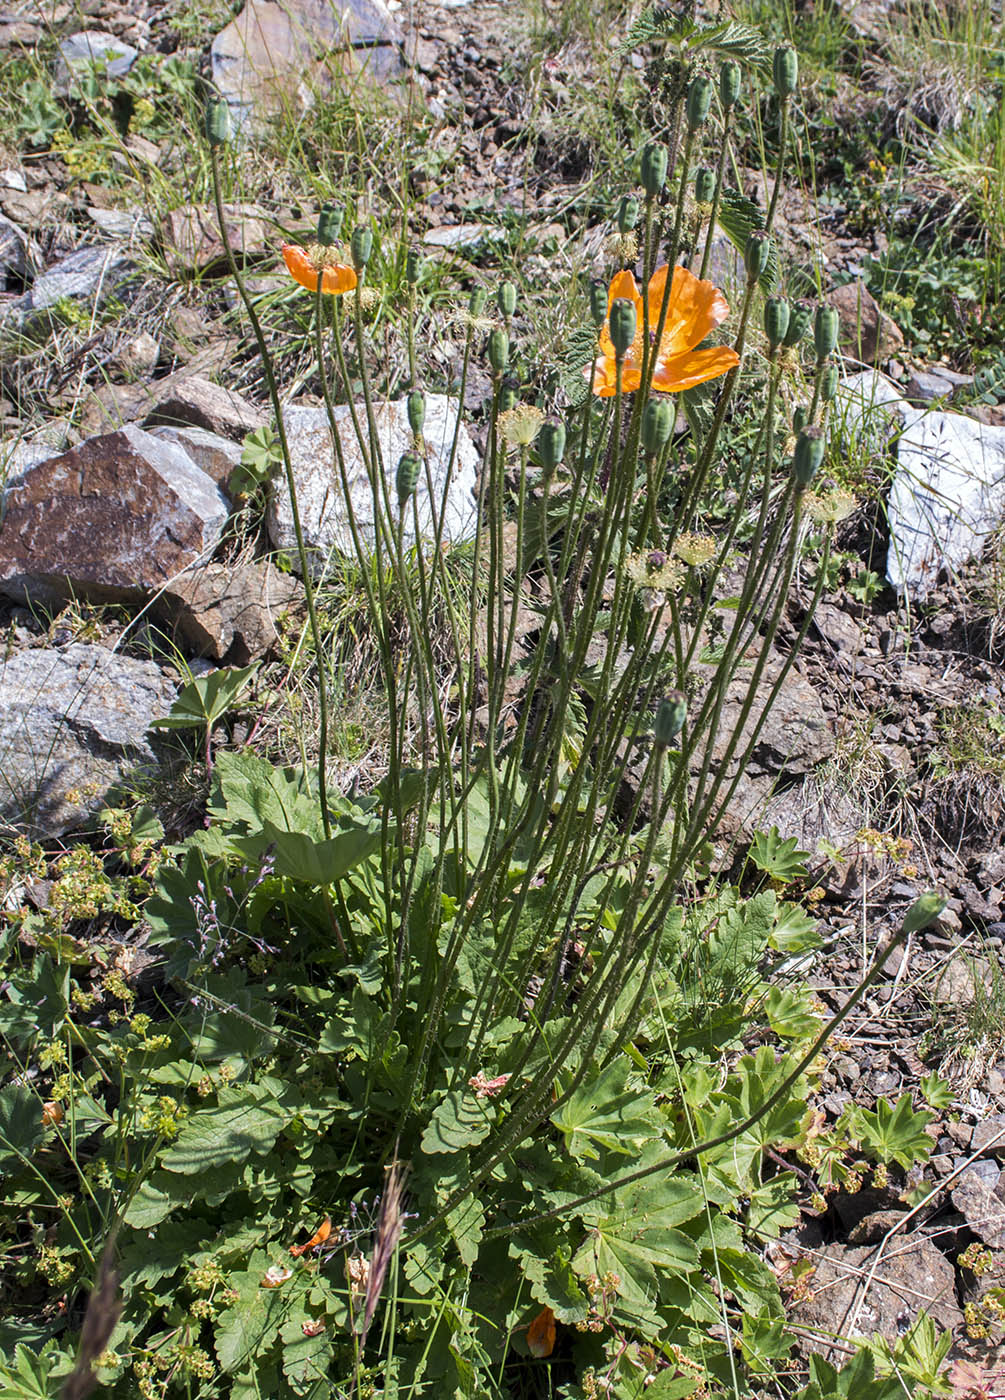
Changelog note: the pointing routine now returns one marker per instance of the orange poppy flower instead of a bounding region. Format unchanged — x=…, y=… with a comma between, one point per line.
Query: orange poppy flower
x=304, y=264
x=694, y=309
x=541, y=1334
x=319, y=1237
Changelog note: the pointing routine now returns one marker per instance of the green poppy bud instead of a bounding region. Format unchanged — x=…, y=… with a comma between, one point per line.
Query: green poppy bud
x=598, y=304
x=509, y=395
x=416, y=411
x=826, y=325
x=704, y=184
x=923, y=912
x=498, y=350
x=808, y=455
x=729, y=84
x=330, y=224
x=414, y=267
x=628, y=213
x=623, y=325
x=476, y=301
x=785, y=70
x=799, y=418
x=699, y=100
x=409, y=466
x=219, y=127
x=551, y=445
x=657, y=425
x=506, y=298
x=799, y=319
x=756, y=254
x=361, y=247
x=829, y=383
x=776, y=320
x=670, y=717
x=654, y=168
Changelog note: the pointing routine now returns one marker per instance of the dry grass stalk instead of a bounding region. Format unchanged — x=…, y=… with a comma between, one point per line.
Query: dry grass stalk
x=103, y=1309
x=389, y=1226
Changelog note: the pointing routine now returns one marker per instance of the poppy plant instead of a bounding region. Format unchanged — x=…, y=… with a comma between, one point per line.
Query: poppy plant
x=694, y=308
x=305, y=264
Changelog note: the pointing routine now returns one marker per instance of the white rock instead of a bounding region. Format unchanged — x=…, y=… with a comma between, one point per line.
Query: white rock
x=320, y=496
x=948, y=493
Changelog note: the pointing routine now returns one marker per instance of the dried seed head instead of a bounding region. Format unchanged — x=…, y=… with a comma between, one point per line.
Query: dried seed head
x=693, y=549
x=829, y=507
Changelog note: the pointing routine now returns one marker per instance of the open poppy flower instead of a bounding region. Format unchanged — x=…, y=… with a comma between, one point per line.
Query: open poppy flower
x=694, y=308
x=305, y=264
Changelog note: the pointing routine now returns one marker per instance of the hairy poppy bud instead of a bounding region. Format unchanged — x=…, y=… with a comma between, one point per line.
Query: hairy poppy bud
x=509, y=395
x=506, y=298
x=628, y=213
x=551, y=445
x=330, y=224
x=361, y=247
x=414, y=266
x=829, y=383
x=598, y=303
x=654, y=168
x=825, y=331
x=785, y=70
x=476, y=301
x=409, y=466
x=729, y=84
x=219, y=127
x=670, y=717
x=756, y=254
x=799, y=319
x=699, y=99
x=416, y=411
x=657, y=425
x=704, y=184
x=498, y=350
x=776, y=320
x=623, y=324
x=799, y=418
x=923, y=912
x=808, y=455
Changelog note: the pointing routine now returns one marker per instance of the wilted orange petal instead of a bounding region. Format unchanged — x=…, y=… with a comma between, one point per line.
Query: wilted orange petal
x=52, y=1114
x=340, y=278
x=693, y=367
x=322, y=1233
x=541, y=1334
x=694, y=309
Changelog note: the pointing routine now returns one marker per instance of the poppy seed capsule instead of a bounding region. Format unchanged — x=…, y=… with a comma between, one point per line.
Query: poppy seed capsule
x=361, y=247
x=825, y=331
x=670, y=717
x=498, y=350
x=628, y=213
x=799, y=319
x=219, y=128
x=729, y=85
x=785, y=70
x=551, y=445
x=699, y=100
x=506, y=298
x=654, y=168
x=623, y=323
x=808, y=455
x=416, y=411
x=756, y=254
x=776, y=320
x=829, y=383
x=407, y=475
x=598, y=303
x=414, y=265
x=704, y=185
x=330, y=224
x=657, y=425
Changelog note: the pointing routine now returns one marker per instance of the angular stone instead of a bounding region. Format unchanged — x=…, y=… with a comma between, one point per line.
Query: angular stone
x=228, y=611
x=216, y=455
x=92, y=47
x=977, y=1200
x=199, y=403
x=113, y=519
x=87, y=273
x=867, y=333
x=323, y=512
x=927, y=385
x=137, y=357
x=193, y=242
x=17, y=251
x=796, y=734
x=72, y=722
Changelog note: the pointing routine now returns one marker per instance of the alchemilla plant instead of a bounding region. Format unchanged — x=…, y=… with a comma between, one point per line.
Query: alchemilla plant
x=477, y=1080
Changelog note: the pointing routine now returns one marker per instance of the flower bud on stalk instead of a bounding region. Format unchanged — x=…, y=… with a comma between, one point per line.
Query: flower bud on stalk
x=407, y=475
x=699, y=100
x=799, y=418
x=551, y=445
x=219, y=127
x=598, y=303
x=506, y=299
x=623, y=322
x=498, y=350
x=476, y=301
x=670, y=717
x=785, y=70
x=829, y=383
x=509, y=395
x=628, y=213
x=654, y=168
x=414, y=267
x=729, y=85
x=825, y=332
x=799, y=319
x=330, y=224
x=704, y=184
x=361, y=247
x=808, y=455
x=657, y=425
x=756, y=254
x=776, y=321
x=416, y=411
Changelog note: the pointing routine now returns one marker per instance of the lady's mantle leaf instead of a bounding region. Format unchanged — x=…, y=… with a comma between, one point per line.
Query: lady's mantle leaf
x=247, y=1119
x=604, y=1112
x=459, y=1120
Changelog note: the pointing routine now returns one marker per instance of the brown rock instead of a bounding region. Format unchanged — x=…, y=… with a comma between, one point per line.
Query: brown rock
x=113, y=519
x=230, y=612
x=867, y=333
x=795, y=736
x=975, y=1197
x=216, y=455
x=193, y=242
x=199, y=403
x=986, y=1140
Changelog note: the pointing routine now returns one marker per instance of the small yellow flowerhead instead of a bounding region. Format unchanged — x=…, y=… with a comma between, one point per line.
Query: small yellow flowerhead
x=520, y=425
x=696, y=550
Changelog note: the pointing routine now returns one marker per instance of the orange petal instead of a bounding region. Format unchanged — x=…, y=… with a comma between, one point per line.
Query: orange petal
x=339, y=278
x=694, y=367
x=604, y=376
x=319, y=1237
x=695, y=308
x=623, y=285
x=541, y=1334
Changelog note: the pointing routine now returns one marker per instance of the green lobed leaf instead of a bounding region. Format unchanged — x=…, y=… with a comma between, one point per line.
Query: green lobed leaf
x=245, y=1121
x=459, y=1120
x=21, y=1128
x=605, y=1113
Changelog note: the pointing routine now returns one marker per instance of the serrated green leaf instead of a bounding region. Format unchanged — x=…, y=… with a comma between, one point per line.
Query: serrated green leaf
x=250, y=1326
x=299, y=856
x=245, y=1121
x=605, y=1113
x=466, y=1222
x=21, y=1128
x=459, y=1120
x=893, y=1133
x=207, y=698
x=739, y=217
x=780, y=859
